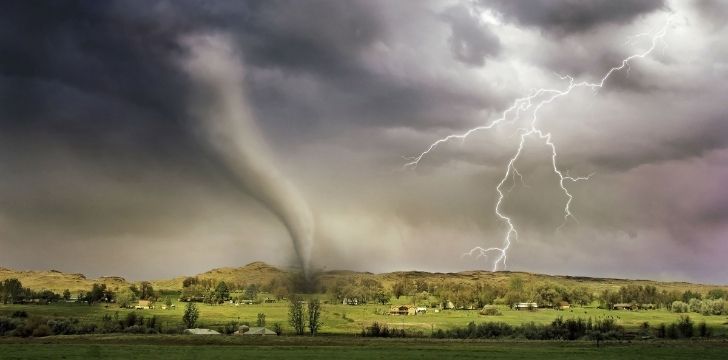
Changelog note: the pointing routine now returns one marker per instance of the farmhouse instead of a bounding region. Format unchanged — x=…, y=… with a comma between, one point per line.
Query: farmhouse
x=143, y=304
x=563, y=305
x=403, y=310
x=525, y=306
x=625, y=306
x=350, y=301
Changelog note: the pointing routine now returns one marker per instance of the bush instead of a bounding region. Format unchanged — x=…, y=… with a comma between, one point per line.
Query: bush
x=682, y=328
x=704, y=330
x=490, y=312
x=63, y=326
x=377, y=330
x=7, y=324
x=277, y=329
x=20, y=314
x=229, y=328
x=685, y=327
x=679, y=307
x=559, y=329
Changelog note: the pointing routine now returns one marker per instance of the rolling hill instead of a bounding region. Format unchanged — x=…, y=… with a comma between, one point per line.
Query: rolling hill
x=262, y=273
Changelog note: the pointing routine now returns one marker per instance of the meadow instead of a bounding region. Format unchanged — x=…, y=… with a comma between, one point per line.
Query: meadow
x=236, y=347
x=351, y=319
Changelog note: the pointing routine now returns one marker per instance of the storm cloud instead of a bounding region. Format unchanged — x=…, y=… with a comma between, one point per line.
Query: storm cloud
x=105, y=170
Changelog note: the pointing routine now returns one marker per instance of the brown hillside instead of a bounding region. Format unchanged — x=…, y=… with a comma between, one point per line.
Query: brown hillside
x=58, y=281
x=262, y=273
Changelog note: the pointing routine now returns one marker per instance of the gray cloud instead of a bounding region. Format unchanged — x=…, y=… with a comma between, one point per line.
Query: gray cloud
x=102, y=155
x=566, y=16
x=470, y=41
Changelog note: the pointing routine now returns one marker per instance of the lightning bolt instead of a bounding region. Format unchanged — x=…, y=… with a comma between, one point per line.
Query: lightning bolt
x=534, y=102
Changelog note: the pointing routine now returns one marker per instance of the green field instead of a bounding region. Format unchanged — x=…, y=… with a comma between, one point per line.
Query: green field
x=236, y=347
x=345, y=319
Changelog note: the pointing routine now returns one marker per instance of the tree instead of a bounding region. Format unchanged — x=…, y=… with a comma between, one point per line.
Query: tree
x=717, y=294
x=251, y=292
x=261, y=320
x=66, y=295
x=98, y=293
x=191, y=315
x=125, y=297
x=296, y=315
x=314, y=316
x=382, y=296
x=222, y=293
x=11, y=291
x=400, y=288
x=189, y=281
x=146, y=291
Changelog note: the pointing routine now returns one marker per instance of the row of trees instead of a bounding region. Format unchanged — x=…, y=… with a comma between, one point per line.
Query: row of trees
x=706, y=306
x=124, y=297
x=466, y=295
x=299, y=318
x=12, y=292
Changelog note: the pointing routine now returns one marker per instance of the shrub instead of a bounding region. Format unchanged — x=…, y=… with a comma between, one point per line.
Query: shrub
x=704, y=330
x=277, y=329
x=20, y=314
x=229, y=328
x=685, y=327
x=7, y=324
x=679, y=307
x=377, y=330
x=490, y=312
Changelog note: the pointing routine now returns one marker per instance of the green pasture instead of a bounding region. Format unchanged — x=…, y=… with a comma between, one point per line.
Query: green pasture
x=347, y=319
x=237, y=347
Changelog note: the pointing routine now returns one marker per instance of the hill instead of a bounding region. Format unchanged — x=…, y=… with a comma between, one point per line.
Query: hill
x=262, y=273
x=256, y=272
x=58, y=281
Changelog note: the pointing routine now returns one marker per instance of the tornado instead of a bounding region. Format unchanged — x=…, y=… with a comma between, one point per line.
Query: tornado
x=228, y=126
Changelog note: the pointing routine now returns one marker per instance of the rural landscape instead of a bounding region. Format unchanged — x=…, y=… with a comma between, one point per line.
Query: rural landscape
x=364, y=179
x=261, y=305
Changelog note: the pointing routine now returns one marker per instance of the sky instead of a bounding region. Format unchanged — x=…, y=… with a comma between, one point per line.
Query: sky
x=151, y=139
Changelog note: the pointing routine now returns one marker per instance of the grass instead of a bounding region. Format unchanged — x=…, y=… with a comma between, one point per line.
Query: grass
x=236, y=347
x=344, y=319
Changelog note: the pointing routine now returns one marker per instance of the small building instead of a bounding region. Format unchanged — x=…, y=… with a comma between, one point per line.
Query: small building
x=403, y=310
x=448, y=305
x=350, y=301
x=625, y=306
x=259, y=331
x=143, y=304
x=563, y=305
x=525, y=306
x=198, y=331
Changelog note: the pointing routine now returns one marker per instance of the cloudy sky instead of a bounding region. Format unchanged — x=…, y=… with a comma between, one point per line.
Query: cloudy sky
x=150, y=139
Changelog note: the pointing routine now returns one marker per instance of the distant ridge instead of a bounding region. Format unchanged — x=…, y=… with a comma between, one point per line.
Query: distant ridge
x=262, y=273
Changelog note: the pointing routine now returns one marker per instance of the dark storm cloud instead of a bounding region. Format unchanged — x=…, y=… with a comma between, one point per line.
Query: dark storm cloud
x=470, y=41
x=568, y=16
x=99, y=152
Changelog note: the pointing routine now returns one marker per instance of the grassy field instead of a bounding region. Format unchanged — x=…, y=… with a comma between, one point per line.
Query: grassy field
x=236, y=347
x=345, y=319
